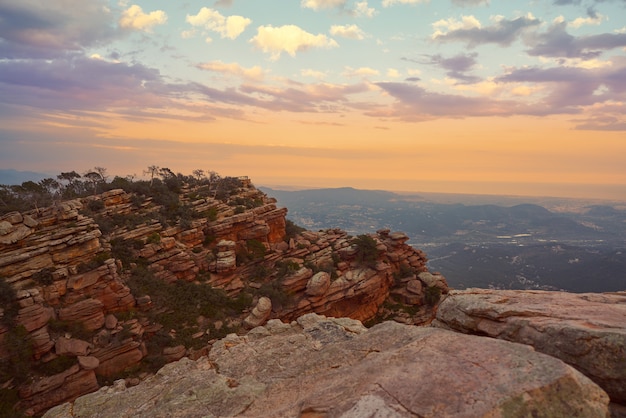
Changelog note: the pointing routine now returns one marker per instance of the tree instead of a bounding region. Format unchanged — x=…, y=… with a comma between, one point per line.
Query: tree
x=103, y=173
x=50, y=185
x=71, y=177
x=199, y=174
x=166, y=173
x=94, y=178
x=152, y=170
x=366, y=251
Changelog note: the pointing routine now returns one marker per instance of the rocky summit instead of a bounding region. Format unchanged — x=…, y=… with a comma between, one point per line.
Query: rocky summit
x=115, y=285
x=328, y=367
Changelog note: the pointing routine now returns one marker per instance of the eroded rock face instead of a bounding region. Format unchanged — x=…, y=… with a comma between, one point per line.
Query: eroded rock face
x=585, y=330
x=327, y=367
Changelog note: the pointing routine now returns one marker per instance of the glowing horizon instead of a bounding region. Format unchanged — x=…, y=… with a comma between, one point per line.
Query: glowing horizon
x=467, y=96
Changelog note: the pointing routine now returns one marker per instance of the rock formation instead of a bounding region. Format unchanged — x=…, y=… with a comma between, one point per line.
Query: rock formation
x=72, y=266
x=586, y=331
x=326, y=367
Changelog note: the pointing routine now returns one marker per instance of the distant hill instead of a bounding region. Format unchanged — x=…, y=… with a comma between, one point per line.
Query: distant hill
x=11, y=177
x=516, y=245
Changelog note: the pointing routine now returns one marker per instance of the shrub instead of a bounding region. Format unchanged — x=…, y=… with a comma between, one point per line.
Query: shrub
x=291, y=230
x=153, y=238
x=95, y=205
x=44, y=276
x=19, y=362
x=75, y=329
x=55, y=366
x=8, y=302
x=256, y=249
x=367, y=253
x=432, y=295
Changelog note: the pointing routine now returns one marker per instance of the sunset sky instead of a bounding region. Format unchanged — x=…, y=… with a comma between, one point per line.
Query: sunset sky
x=474, y=96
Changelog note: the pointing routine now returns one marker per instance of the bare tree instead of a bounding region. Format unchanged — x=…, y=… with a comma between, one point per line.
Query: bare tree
x=103, y=173
x=94, y=178
x=199, y=174
x=152, y=170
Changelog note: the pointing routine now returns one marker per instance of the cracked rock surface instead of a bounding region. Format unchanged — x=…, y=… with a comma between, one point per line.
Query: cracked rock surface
x=585, y=330
x=329, y=367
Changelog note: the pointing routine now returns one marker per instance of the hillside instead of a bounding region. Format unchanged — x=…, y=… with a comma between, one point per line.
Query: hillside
x=487, y=241
x=116, y=284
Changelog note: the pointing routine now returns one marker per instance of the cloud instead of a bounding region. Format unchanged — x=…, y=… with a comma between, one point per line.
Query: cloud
x=223, y=3
x=322, y=4
x=469, y=3
x=313, y=73
x=347, y=31
x=456, y=66
x=469, y=30
x=362, y=9
x=36, y=29
x=290, y=39
x=253, y=73
x=415, y=104
x=556, y=42
x=359, y=72
x=135, y=18
x=570, y=88
x=228, y=27
x=388, y=3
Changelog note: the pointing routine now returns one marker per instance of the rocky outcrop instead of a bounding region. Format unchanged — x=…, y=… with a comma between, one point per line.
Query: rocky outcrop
x=323, y=367
x=584, y=330
x=63, y=387
x=71, y=265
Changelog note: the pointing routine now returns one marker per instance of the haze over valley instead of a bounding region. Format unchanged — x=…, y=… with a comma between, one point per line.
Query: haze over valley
x=484, y=240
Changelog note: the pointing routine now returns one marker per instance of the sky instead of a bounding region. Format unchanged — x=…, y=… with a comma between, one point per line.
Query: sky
x=461, y=96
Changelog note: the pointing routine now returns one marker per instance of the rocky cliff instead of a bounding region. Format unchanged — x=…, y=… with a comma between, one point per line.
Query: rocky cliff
x=116, y=285
x=327, y=367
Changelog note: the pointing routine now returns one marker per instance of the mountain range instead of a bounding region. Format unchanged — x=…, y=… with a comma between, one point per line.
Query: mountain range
x=492, y=241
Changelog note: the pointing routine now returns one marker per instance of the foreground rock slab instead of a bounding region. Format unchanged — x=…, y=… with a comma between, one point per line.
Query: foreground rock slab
x=587, y=331
x=326, y=367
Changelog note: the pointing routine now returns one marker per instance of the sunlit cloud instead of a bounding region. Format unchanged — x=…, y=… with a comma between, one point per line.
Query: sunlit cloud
x=362, y=9
x=228, y=27
x=134, y=18
x=313, y=73
x=253, y=73
x=322, y=4
x=469, y=3
x=347, y=31
x=387, y=3
x=290, y=39
x=359, y=72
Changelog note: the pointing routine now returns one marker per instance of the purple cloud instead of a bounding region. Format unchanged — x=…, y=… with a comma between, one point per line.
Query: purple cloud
x=504, y=32
x=32, y=29
x=556, y=42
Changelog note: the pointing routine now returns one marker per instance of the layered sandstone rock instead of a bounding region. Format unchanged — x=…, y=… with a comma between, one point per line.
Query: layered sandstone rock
x=585, y=330
x=323, y=367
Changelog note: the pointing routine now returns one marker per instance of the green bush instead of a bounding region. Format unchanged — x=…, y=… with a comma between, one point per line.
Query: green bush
x=367, y=253
x=153, y=238
x=44, y=276
x=20, y=360
x=432, y=295
x=55, y=366
x=74, y=328
x=95, y=205
x=8, y=301
x=292, y=230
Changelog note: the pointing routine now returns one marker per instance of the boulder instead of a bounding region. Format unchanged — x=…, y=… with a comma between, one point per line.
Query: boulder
x=327, y=367
x=260, y=313
x=88, y=311
x=584, y=330
x=71, y=347
x=318, y=284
